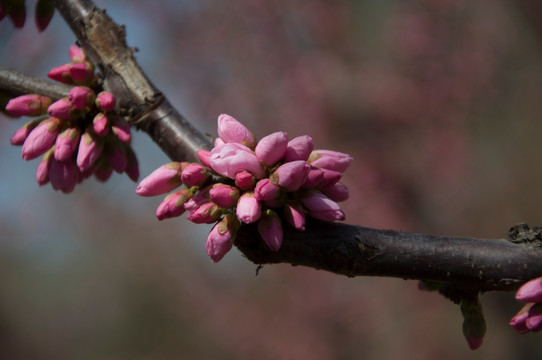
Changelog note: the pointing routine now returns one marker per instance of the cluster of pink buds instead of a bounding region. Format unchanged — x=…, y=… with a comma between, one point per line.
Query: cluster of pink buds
x=261, y=179
x=529, y=318
x=77, y=136
x=16, y=11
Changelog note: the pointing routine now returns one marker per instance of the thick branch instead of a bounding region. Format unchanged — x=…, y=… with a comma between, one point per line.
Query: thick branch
x=14, y=84
x=465, y=263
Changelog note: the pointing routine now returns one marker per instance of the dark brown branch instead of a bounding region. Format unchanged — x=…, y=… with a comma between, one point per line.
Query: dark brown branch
x=14, y=84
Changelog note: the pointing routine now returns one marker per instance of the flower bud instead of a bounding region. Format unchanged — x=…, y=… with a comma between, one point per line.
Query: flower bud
x=132, y=167
x=314, y=178
x=298, y=148
x=331, y=160
x=82, y=73
x=201, y=197
x=321, y=207
x=265, y=190
x=100, y=124
x=102, y=171
x=474, y=325
x=248, y=208
x=66, y=143
x=205, y=214
x=162, y=180
x=105, y=101
x=63, y=175
x=17, y=13
x=90, y=149
x=204, y=157
x=337, y=192
x=121, y=129
x=271, y=148
x=77, y=55
x=270, y=228
x=232, y=131
x=194, y=175
x=41, y=138
x=221, y=237
x=61, y=73
x=116, y=157
x=330, y=178
x=244, y=180
x=81, y=97
x=43, y=14
x=531, y=291
x=22, y=133
x=291, y=175
x=173, y=204
x=518, y=321
x=295, y=215
x=231, y=158
x=42, y=173
x=63, y=109
x=534, y=319
x=224, y=195
x=28, y=105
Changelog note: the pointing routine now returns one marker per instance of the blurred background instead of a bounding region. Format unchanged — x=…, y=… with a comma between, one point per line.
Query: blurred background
x=437, y=100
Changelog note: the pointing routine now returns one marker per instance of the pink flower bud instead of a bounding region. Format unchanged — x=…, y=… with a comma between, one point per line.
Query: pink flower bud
x=100, y=124
x=224, y=195
x=244, y=180
x=337, y=192
x=42, y=173
x=295, y=215
x=132, y=168
x=173, y=204
x=82, y=73
x=63, y=175
x=531, y=291
x=81, y=97
x=291, y=175
x=298, y=148
x=474, y=325
x=41, y=139
x=17, y=13
x=271, y=148
x=232, y=131
x=116, y=157
x=105, y=101
x=102, y=171
x=518, y=321
x=61, y=73
x=321, y=207
x=220, y=239
x=44, y=13
x=90, y=149
x=63, y=109
x=194, y=175
x=121, y=129
x=218, y=141
x=248, y=208
x=201, y=197
x=534, y=319
x=205, y=214
x=162, y=180
x=28, y=105
x=270, y=228
x=265, y=190
x=329, y=179
x=204, y=157
x=22, y=133
x=314, y=178
x=331, y=160
x=66, y=143
x=77, y=55
x=231, y=158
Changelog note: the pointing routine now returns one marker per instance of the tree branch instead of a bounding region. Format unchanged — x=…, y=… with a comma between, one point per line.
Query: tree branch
x=465, y=263
x=13, y=84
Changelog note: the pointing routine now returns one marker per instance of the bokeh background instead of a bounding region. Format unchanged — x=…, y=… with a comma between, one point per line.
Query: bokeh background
x=438, y=101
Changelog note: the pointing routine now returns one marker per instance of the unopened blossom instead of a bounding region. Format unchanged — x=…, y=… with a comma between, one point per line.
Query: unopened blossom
x=43, y=14
x=220, y=239
x=295, y=215
x=42, y=173
x=61, y=73
x=331, y=160
x=100, y=124
x=132, y=168
x=63, y=109
x=173, y=204
x=77, y=55
x=248, y=208
x=298, y=148
x=90, y=149
x=271, y=148
x=204, y=157
x=28, y=105
x=162, y=180
x=200, y=198
x=474, y=325
x=314, y=178
x=518, y=322
x=105, y=101
x=337, y=192
x=121, y=129
x=232, y=131
x=531, y=291
x=231, y=158
x=22, y=133
x=41, y=139
x=66, y=143
x=194, y=175
x=63, y=175
x=82, y=73
x=534, y=318
x=266, y=190
x=81, y=97
x=244, y=180
x=270, y=228
x=291, y=175
x=102, y=171
x=116, y=158
x=330, y=178
x=207, y=213
x=321, y=207
x=224, y=195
